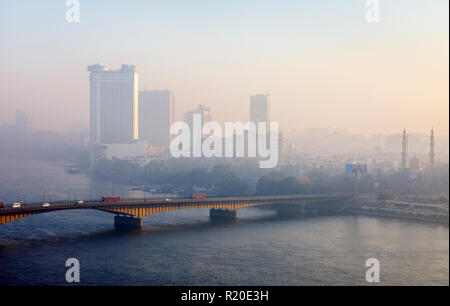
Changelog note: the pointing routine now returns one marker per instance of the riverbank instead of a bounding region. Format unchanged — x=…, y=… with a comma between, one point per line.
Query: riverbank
x=385, y=214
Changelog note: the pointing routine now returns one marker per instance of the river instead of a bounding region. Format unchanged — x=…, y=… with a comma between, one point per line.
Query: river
x=185, y=248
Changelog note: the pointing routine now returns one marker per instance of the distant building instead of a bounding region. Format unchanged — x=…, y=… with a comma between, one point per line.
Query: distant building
x=260, y=112
x=205, y=115
x=404, y=150
x=114, y=104
x=204, y=111
x=156, y=113
x=432, y=154
x=260, y=109
x=139, y=152
x=24, y=121
x=415, y=166
x=281, y=147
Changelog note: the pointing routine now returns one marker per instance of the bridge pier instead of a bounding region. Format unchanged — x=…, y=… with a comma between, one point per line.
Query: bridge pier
x=127, y=222
x=222, y=214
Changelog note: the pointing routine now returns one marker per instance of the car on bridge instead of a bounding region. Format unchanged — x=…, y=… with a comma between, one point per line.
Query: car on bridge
x=78, y=202
x=199, y=195
x=16, y=205
x=110, y=199
x=2, y=205
x=46, y=204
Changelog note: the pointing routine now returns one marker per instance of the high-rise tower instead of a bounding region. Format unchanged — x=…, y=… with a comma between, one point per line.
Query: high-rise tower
x=114, y=104
x=404, y=149
x=260, y=109
x=156, y=112
x=205, y=116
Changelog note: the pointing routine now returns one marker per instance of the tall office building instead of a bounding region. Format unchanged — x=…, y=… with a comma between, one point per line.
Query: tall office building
x=260, y=109
x=156, y=114
x=114, y=104
x=205, y=115
x=23, y=121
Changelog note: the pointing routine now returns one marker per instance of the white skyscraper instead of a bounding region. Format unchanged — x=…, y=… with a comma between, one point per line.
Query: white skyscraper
x=114, y=104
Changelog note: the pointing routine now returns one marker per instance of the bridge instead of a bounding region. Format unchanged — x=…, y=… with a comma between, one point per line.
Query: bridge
x=129, y=213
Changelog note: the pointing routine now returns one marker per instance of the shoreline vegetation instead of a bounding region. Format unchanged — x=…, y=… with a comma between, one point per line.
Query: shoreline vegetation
x=243, y=178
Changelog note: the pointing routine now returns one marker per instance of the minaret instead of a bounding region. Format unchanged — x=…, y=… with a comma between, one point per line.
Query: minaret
x=404, y=150
x=432, y=154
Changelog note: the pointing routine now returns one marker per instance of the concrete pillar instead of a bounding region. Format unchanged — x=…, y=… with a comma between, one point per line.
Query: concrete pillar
x=222, y=214
x=127, y=222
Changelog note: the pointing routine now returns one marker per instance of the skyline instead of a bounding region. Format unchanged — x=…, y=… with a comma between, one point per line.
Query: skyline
x=224, y=150
x=219, y=54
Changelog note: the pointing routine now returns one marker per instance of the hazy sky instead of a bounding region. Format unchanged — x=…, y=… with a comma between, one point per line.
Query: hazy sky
x=322, y=62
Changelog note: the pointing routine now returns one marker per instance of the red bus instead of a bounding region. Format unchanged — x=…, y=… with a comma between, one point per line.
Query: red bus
x=2, y=204
x=111, y=199
x=199, y=195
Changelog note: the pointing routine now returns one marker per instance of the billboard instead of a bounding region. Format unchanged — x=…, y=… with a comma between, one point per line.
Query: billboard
x=348, y=168
x=355, y=168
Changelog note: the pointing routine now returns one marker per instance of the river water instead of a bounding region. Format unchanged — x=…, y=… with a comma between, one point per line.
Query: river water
x=185, y=248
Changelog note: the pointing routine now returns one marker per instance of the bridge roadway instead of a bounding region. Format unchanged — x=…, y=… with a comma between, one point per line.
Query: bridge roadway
x=130, y=211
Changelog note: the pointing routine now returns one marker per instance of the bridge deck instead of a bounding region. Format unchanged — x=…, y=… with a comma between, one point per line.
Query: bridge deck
x=143, y=207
